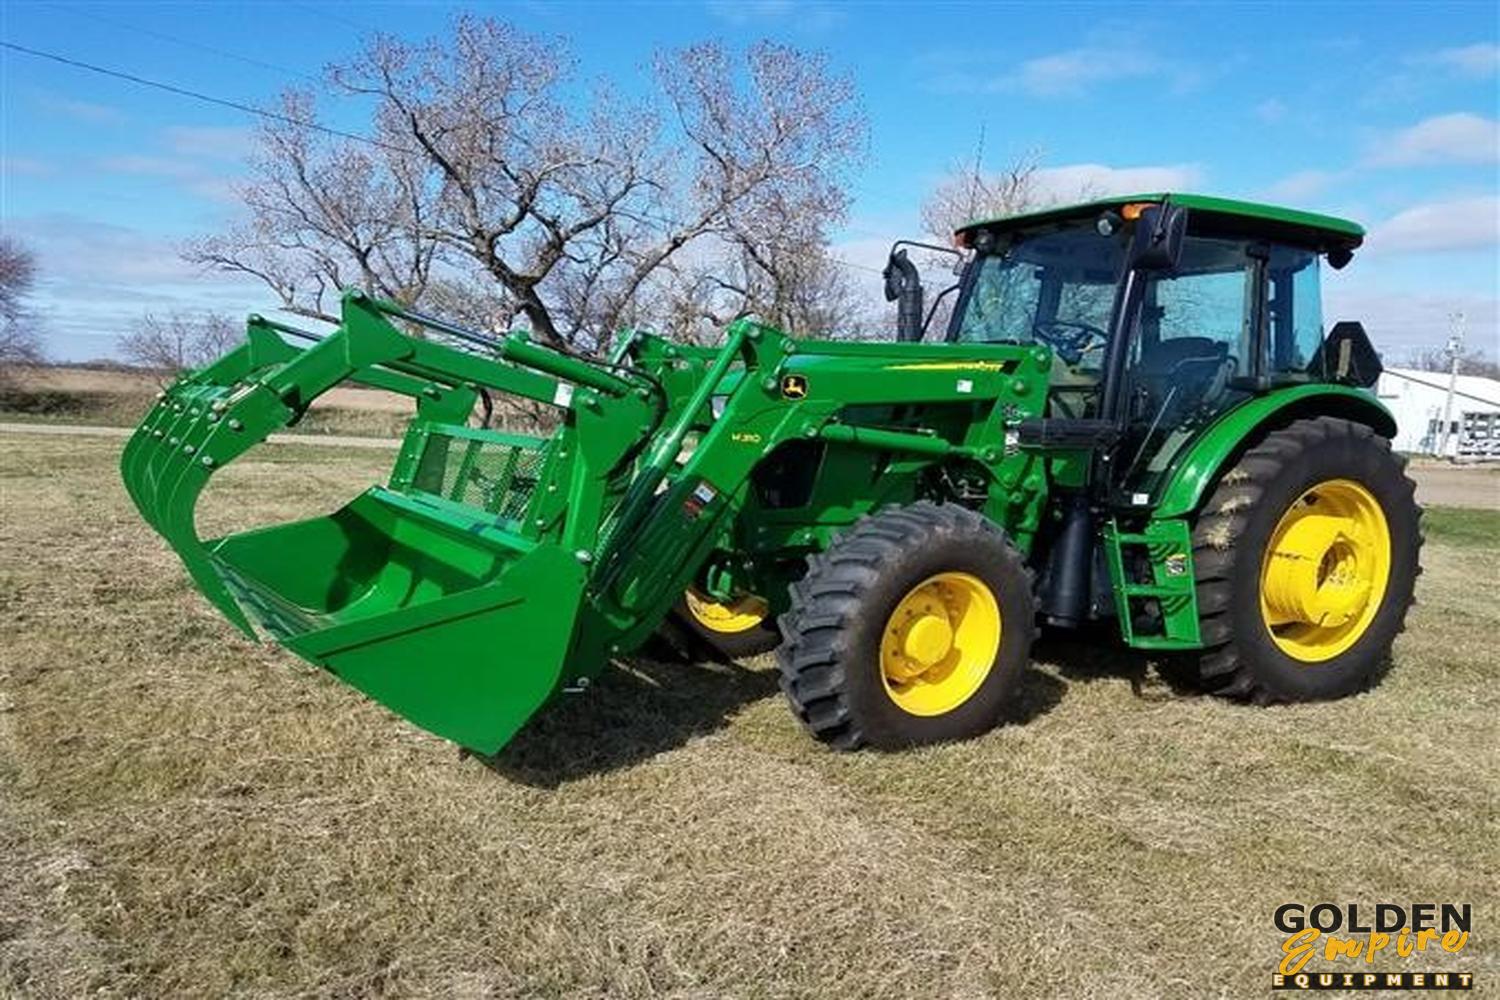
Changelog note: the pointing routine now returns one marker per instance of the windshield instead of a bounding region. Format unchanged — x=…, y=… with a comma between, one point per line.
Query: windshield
x=1046, y=287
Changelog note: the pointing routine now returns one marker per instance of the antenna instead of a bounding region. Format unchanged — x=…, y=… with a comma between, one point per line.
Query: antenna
x=1454, y=350
x=973, y=209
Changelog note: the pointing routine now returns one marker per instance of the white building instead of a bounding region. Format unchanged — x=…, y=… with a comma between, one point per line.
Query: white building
x=1417, y=398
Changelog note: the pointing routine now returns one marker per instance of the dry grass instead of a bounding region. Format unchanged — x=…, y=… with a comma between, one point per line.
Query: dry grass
x=185, y=814
x=354, y=412
x=121, y=398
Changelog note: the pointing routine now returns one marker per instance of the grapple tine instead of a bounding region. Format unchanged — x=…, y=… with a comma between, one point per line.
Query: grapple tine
x=179, y=409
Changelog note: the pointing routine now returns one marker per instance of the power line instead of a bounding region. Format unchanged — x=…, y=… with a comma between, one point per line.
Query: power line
x=185, y=42
x=197, y=96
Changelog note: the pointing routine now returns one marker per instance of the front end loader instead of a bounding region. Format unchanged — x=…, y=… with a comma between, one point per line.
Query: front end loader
x=1134, y=416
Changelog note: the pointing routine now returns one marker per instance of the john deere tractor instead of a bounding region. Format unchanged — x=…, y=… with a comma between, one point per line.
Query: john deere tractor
x=1134, y=416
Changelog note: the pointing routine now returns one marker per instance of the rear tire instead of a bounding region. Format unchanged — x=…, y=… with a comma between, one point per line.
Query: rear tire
x=1269, y=585
x=913, y=627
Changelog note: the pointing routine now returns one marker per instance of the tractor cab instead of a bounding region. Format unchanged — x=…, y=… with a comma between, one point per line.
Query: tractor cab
x=1161, y=313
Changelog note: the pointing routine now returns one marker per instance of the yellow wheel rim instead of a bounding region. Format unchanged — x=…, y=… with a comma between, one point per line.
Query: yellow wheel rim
x=740, y=615
x=1325, y=571
x=940, y=643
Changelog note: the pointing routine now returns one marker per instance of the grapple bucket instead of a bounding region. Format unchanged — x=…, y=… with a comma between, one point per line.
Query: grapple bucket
x=450, y=595
x=462, y=631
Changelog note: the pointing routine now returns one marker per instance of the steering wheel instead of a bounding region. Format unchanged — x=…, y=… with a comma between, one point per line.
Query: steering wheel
x=1070, y=338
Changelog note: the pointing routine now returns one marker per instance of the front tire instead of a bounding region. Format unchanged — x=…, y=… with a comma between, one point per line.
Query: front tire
x=913, y=627
x=1306, y=556
x=737, y=629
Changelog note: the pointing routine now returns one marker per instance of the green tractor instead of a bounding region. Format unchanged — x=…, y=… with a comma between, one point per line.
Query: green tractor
x=1134, y=417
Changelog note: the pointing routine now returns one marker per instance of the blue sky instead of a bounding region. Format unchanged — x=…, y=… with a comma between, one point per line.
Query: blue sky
x=1382, y=112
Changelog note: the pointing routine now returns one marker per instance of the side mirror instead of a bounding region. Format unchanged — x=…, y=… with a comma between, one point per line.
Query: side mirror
x=1346, y=355
x=898, y=274
x=1157, y=244
x=903, y=286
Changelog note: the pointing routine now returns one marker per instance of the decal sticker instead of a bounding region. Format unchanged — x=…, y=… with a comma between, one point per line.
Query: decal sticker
x=954, y=366
x=703, y=494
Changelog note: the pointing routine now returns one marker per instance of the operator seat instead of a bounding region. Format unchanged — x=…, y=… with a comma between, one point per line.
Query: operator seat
x=1183, y=374
x=1072, y=394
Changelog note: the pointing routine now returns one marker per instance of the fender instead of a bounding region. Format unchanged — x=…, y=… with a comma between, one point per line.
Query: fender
x=1226, y=438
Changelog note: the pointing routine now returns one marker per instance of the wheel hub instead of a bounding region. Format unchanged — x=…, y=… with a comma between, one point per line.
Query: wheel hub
x=939, y=643
x=1325, y=570
x=928, y=640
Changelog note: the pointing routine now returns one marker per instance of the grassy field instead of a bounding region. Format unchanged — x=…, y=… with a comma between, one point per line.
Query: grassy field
x=185, y=814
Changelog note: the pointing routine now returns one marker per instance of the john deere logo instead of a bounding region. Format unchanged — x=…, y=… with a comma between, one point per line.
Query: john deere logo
x=794, y=387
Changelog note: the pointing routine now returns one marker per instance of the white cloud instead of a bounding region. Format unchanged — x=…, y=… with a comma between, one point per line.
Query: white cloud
x=205, y=181
x=749, y=13
x=1096, y=180
x=744, y=13
x=74, y=248
x=24, y=166
x=1401, y=323
x=1073, y=72
x=84, y=111
x=1480, y=60
x=1271, y=111
x=227, y=142
x=1300, y=186
x=1070, y=73
x=1458, y=224
x=96, y=276
x=1462, y=137
x=150, y=166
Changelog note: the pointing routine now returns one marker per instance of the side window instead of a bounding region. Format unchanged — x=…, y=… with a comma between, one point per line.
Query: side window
x=1295, y=308
x=1194, y=337
x=1203, y=309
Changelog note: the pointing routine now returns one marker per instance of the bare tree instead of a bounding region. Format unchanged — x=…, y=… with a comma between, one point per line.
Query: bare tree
x=488, y=174
x=1471, y=361
x=966, y=194
x=178, y=341
x=20, y=340
x=798, y=288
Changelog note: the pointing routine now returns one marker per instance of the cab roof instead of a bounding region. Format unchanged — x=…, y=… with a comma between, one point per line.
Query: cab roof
x=1272, y=222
